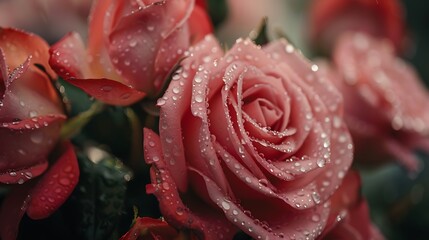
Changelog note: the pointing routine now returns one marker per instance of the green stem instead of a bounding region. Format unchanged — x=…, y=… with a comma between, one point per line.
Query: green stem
x=136, y=137
x=74, y=125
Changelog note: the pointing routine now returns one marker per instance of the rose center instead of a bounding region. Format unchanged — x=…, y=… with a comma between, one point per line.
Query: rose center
x=263, y=112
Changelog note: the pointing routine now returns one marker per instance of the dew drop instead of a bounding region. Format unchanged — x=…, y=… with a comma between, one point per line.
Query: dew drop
x=106, y=88
x=133, y=43
x=341, y=174
x=316, y=197
x=315, y=218
x=160, y=102
x=37, y=137
x=289, y=48
x=64, y=181
x=28, y=175
x=125, y=95
x=150, y=28
x=198, y=79
x=179, y=211
x=320, y=162
x=314, y=68
x=225, y=205
x=32, y=114
x=199, y=98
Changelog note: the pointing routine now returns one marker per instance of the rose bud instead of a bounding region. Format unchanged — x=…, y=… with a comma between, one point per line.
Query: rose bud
x=386, y=105
x=132, y=47
x=251, y=140
x=31, y=115
x=380, y=18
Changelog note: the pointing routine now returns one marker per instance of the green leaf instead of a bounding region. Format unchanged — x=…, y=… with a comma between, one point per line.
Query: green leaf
x=218, y=11
x=260, y=36
x=74, y=125
x=97, y=204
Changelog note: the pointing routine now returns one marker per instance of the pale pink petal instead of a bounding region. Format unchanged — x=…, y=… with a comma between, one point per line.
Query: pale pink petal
x=204, y=221
x=175, y=104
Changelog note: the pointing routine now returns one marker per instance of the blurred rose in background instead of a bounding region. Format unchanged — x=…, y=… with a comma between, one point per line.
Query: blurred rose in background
x=51, y=19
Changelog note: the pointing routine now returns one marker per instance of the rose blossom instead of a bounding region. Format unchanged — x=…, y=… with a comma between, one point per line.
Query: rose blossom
x=132, y=47
x=27, y=100
x=386, y=105
x=31, y=115
x=249, y=140
x=380, y=18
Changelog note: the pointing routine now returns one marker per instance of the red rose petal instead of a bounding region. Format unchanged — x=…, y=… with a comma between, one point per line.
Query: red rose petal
x=100, y=22
x=199, y=24
x=55, y=186
x=27, y=143
x=158, y=229
x=23, y=175
x=12, y=210
x=68, y=57
x=108, y=91
x=18, y=45
x=152, y=40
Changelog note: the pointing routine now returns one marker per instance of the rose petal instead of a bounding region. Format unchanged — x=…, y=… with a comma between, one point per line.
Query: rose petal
x=100, y=65
x=23, y=175
x=21, y=98
x=199, y=24
x=153, y=34
x=55, y=186
x=158, y=229
x=170, y=125
x=68, y=57
x=27, y=143
x=326, y=17
x=281, y=225
x=108, y=91
x=20, y=45
x=199, y=218
x=12, y=210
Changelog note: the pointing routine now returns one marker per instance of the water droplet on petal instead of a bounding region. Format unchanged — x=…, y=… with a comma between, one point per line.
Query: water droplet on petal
x=160, y=102
x=225, y=205
x=321, y=162
x=106, y=88
x=64, y=181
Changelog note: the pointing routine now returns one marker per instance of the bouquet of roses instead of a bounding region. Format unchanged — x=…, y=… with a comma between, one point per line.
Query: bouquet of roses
x=154, y=120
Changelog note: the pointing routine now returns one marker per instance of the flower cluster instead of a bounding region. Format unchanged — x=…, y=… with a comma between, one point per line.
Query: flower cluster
x=252, y=140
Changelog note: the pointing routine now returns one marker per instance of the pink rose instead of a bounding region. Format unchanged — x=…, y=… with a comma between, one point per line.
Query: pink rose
x=380, y=18
x=386, y=105
x=31, y=115
x=132, y=47
x=249, y=140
